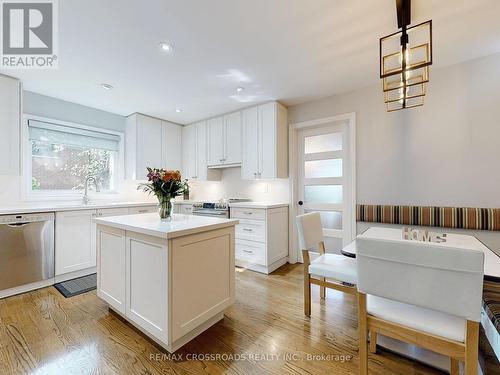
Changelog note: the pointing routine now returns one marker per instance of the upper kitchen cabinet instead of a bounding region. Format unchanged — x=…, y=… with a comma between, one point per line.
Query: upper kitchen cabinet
x=151, y=142
x=194, y=153
x=10, y=125
x=171, y=135
x=224, y=140
x=265, y=142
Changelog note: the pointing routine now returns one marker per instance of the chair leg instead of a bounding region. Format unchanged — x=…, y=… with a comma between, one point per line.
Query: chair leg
x=373, y=342
x=362, y=328
x=471, y=348
x=307, y=283
x=322, y=290
x=454, y=367
x=307, y=294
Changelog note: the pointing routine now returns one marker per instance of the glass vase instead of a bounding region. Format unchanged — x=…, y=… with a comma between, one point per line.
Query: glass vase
x=165, y=209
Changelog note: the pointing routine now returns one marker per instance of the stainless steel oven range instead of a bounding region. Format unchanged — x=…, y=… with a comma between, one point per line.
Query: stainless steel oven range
x=215, y=209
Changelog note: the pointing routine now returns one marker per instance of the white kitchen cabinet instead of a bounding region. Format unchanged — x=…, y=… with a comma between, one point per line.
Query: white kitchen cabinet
x=146, y=283
x=261, y=237
x=215, y=132
x=112, y=267
x=189, y=152
x=232, y=138
x=171, y=146
x=150, y=142
x=75, y=244
x=265, y=142
x=194, y=153
x=224, y=140
x=10, y=125
x=251, y=145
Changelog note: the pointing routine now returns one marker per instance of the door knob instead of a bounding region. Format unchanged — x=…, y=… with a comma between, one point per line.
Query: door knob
x=300, y=203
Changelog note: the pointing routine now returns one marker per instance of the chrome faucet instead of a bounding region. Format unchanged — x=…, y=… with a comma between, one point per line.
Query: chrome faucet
x=86, y=198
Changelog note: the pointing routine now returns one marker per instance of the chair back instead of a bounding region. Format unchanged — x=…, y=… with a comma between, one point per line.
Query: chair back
x=310, y=231
x=430, y=275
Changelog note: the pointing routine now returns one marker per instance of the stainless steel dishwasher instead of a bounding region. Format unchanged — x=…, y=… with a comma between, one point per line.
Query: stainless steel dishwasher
x=26, y=249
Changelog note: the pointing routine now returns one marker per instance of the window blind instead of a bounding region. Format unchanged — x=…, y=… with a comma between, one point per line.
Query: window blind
x=49, y=133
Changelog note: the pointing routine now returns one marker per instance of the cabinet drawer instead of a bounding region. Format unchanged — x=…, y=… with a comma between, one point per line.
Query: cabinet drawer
x=253, y=230
x=142, y=210
x=186, y=209
x=249, y=251
x=248, y=213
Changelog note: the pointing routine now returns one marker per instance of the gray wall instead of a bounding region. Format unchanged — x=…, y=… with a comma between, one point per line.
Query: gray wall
x=446, y=153
x=46, y=106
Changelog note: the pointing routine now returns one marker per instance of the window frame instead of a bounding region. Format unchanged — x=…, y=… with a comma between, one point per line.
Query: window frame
x=30, y=195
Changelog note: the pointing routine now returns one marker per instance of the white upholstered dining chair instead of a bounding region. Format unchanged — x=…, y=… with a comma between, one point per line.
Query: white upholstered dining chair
x=338, y=269
x=422, y=294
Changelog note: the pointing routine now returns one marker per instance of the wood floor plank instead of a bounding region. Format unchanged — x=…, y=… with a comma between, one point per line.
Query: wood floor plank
x=43, y=333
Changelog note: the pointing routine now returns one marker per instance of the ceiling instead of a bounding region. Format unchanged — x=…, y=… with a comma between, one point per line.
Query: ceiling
x=288, y=50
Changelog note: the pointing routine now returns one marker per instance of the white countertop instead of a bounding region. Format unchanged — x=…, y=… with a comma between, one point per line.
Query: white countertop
x=258, y=205
x=180, y=225
x=67, y=206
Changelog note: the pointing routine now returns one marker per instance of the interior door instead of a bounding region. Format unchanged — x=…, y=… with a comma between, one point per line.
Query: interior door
x=324, y=181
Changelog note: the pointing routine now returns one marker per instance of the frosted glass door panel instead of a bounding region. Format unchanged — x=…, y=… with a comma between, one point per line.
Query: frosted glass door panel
x=323, y=143
x=329, y=219
x=323, y=168
x=323, y=194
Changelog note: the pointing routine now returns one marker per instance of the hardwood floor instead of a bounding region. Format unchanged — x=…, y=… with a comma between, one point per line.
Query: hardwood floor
x=44, y=333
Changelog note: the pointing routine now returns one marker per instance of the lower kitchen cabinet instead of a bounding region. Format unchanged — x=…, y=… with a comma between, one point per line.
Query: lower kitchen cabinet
x=75, y=244
x=183, y=208
x=261, y=237
x=75, y=248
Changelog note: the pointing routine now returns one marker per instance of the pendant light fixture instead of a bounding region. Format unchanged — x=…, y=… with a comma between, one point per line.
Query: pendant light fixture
x=405, y=57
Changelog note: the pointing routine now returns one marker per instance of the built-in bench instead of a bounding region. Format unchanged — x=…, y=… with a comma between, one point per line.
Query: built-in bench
x=490, y=322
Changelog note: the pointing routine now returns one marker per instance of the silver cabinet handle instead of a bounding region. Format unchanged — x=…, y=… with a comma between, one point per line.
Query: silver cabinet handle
x=248, y=230
x=248, y=251
x=142, y=211
x=248, y=213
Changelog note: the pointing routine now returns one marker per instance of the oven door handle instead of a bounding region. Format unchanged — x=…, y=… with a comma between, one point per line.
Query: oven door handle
x=17, y=225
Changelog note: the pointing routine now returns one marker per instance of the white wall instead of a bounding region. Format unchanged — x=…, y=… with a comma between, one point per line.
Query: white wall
x=232, y=186
x=445, y=153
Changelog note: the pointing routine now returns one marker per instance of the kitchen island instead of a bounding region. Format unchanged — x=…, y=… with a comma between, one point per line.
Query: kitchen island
x=170, y=279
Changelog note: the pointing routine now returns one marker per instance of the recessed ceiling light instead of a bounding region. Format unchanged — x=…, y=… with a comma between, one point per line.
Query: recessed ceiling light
x=166, y=47
x=106, y=86
x=240, y=89
x=178, y=110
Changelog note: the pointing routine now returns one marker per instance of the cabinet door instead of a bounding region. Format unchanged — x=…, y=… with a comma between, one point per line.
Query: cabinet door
x=147, y=283
x=251, y=144
x=171, y=146
x=149, y=139
x=232, y=138
x=201, y=151
x=267, y=159
x=189, y=152
x=75, y=239
x=10, y=122
x=216, y=141
x=111, y=267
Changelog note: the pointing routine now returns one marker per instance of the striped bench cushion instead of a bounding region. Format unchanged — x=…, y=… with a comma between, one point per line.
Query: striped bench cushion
x=491, y=302
x=446, y=217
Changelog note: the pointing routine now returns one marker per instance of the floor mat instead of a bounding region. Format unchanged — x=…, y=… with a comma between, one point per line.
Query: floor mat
x=77, y=286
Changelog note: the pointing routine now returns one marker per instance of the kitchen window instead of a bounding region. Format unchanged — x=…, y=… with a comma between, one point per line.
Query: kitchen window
x=61, y=156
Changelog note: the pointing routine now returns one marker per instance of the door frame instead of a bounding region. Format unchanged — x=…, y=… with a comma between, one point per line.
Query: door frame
x=350, y=118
